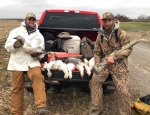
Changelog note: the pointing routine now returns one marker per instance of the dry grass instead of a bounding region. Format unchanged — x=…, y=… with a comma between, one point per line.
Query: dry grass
x=4, y=79
x=6, y=26
x=58, y=104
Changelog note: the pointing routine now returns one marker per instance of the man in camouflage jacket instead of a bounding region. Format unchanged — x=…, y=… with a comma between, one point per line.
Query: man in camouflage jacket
x=117, y=66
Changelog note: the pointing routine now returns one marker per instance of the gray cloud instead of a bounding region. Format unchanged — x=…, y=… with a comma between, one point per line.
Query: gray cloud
x=20, y=8
x=132, y=12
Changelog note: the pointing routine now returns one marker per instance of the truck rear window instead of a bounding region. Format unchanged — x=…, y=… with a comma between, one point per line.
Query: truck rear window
x=71, y=20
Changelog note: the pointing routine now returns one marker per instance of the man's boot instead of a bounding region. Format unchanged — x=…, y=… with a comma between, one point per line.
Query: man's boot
x=95, y=112
x=41, y=111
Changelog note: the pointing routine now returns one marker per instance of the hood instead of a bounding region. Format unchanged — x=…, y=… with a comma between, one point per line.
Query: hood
x=116, y=22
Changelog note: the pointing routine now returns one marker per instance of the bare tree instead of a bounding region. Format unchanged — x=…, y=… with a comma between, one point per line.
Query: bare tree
x=122, y=18
x=142, y=17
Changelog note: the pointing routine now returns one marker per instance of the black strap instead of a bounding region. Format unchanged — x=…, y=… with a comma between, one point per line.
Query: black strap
x=116, y=34
x=102, y=37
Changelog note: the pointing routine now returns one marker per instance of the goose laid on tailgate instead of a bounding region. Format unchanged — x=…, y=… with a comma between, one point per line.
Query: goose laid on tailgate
x=70, y=67
x=80, y=67
x=63, y=67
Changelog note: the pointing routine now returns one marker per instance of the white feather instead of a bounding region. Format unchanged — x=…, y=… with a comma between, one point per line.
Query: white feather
x=86, y=61
x=91, y=63
x=81, y=69
x=70, y=67
x=63, y=67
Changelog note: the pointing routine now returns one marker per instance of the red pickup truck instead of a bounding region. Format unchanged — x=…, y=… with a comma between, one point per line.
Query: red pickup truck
x=75, y=22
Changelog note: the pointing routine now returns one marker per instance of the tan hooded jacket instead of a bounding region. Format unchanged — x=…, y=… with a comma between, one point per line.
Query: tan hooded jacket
x=106, y=46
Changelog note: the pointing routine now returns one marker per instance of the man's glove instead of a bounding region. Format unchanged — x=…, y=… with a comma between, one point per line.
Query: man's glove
x=35, y=54
x=19, y=41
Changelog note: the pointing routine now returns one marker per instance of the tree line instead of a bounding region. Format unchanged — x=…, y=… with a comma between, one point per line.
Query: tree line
x=124, y=18
x=144, y=17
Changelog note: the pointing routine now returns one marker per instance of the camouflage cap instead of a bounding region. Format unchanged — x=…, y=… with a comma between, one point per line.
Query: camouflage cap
x=107, y=15
x=29, y=15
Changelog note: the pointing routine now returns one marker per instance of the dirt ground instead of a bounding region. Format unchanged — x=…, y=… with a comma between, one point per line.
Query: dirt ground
x=66, y=103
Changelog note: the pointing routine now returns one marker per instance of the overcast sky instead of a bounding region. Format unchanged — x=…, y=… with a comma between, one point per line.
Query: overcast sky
x=19, y=8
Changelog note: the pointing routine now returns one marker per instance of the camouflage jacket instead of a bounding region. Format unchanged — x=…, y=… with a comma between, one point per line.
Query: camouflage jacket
x=108, y=45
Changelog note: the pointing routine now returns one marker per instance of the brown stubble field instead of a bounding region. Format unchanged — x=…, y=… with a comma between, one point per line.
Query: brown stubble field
x=5, y=81
x=58, y=104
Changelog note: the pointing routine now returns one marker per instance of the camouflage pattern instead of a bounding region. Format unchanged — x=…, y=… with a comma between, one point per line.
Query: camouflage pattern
x=30, y=15
x=86, y=48
x=118, y=70
x=107, y=15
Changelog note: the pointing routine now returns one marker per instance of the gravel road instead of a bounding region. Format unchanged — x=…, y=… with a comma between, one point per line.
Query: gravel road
x=139, y=63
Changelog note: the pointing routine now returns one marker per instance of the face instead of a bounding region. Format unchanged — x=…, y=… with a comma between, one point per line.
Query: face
x=107, y=23
x=31, y=21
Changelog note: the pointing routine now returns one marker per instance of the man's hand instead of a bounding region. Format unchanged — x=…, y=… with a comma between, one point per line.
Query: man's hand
x=35, y=55
x=110, y=59
x=96, y=64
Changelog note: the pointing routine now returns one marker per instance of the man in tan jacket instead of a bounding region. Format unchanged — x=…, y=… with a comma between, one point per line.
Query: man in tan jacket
x=109, y=39
x=22, y=60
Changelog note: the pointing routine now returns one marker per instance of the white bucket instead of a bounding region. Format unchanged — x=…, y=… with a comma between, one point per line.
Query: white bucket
x=72, y=45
